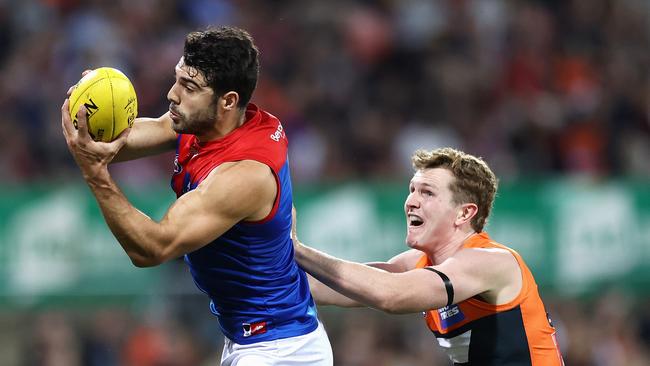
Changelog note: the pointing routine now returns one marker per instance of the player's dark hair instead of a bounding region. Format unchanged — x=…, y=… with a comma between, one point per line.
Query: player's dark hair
x=474, y=183
x=227, y=58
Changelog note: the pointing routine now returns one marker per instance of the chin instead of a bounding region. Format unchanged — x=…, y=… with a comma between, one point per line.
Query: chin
x=180, y=128
x=419, y=241
x=412, y=243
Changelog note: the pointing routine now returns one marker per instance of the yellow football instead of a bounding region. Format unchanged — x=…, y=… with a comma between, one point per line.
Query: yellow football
x=110, y=101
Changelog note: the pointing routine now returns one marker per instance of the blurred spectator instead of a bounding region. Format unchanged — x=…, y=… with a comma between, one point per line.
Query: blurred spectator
x=53, y=341
x=537, y=88
x=608, y=330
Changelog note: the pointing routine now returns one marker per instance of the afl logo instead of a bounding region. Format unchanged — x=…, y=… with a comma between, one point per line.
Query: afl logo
x=254, y=328
x=177, y=167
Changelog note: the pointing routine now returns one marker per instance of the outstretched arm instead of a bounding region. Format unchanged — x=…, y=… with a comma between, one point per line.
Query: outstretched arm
x=471, y=271
x=231, y=193
x=324, y=295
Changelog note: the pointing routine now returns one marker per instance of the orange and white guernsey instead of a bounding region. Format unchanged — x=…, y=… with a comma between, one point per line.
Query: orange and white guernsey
x=517, y=333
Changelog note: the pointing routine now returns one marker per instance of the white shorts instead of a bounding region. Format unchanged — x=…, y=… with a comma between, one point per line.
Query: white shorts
x=312, y=349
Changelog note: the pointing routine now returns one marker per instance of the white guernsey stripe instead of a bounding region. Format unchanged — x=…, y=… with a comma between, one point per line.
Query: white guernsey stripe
x=457, y=348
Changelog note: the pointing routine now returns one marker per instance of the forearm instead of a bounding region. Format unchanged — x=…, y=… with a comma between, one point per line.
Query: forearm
x=323, y=295
x=360, y=283
x=140, y=236
x=149, y=136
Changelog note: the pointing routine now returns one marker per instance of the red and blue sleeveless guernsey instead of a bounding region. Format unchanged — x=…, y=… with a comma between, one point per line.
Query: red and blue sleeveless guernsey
x=257, y=290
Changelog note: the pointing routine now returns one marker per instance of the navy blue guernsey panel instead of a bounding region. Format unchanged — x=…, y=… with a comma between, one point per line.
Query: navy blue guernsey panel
x=253, y=281
x=256, y=289
x=499, y=340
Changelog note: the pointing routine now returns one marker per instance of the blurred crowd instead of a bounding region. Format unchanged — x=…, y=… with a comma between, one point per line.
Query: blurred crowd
x=537, y=88
x=610, y=330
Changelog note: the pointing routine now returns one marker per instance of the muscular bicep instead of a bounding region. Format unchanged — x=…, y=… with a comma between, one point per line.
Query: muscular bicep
x=149, y=136
x=402, y=262
x=493, y=274
x=231, y=193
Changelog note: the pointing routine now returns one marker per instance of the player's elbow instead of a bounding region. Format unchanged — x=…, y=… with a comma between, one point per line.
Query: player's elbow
x=391, y=304
x=143, y=261
x=389, y=307
x=140, y=263
x=149, y=253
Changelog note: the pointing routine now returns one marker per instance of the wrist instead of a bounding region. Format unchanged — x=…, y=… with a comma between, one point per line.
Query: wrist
x=97, y=176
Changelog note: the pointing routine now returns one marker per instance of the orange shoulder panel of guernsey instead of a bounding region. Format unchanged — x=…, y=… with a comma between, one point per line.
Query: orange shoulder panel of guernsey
x=474, y=332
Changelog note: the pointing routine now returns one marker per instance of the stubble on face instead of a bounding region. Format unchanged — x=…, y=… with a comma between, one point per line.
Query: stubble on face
x=195, y=117
x=197, y=122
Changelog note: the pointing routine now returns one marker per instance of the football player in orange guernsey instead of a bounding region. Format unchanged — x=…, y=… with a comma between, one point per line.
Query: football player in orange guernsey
x=479, y=297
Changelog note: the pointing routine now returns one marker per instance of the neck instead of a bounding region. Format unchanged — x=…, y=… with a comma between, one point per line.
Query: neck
x=440, y=253
x=225, y=124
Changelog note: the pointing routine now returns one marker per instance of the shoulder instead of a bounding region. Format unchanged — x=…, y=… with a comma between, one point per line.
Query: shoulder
x=263, y=140
x=406, y=261
x=240, y=174
x=237, y=189
x=486, y=260
x=491, y=269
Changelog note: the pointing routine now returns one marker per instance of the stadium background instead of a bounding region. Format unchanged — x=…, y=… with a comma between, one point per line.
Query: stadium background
x=555, y=95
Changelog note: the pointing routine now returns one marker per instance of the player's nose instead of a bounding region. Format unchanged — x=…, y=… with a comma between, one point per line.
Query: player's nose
x=411, y=202
x=172, y=94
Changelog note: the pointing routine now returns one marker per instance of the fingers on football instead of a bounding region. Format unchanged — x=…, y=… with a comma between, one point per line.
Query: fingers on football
x=121, y=139
x=66, y=121
x=82, y=123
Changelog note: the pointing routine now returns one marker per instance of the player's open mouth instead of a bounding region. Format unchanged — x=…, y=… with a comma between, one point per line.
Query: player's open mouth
x=415, y=220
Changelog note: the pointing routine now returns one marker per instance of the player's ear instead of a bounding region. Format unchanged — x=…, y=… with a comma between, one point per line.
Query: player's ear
x=465, y=213
x=229, y=100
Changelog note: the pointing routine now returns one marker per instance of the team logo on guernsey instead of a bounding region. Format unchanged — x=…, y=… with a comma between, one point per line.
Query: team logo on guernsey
x=254, y=328
x=450, y=315
x=177, y=166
